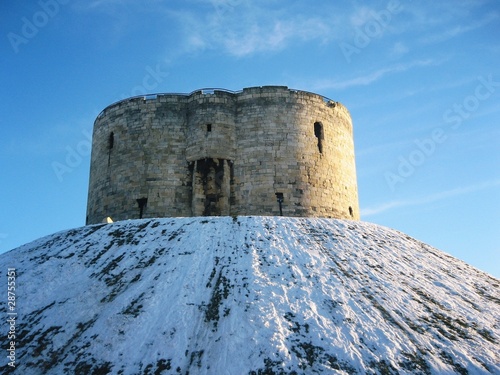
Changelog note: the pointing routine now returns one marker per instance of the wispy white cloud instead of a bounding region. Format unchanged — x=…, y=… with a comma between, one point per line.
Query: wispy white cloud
x=373, y=76
x=375, y=210
x=273, y=35
x=100, y=3
x=103, y=6
x=399, y=49
x=457, y=30
x=257, y=38
x=242, y=28
x=361, y=16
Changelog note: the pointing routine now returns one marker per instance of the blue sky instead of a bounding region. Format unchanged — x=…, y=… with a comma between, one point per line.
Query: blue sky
x=421, y=80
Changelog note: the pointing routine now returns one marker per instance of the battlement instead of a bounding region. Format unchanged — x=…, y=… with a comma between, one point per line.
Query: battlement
x=262, y=91
x=222, y=152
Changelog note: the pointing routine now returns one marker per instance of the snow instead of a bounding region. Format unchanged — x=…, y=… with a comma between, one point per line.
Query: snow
x=249, y=295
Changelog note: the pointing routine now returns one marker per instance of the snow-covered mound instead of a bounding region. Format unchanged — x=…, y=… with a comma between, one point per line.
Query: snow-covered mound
x=249, y=295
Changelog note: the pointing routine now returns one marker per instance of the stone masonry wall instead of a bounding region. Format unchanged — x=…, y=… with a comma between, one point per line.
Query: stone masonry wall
x=223, y=153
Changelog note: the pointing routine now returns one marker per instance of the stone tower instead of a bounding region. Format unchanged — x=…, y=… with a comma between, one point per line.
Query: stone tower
x=217, y=152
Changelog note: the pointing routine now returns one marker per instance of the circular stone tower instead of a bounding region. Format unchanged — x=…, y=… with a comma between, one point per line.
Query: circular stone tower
x=216, y=152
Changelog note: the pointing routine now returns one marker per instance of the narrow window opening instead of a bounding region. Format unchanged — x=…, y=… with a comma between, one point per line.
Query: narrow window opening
x=111, y=140
x=111, y=143
x=350, y=211
x=209, y=127
x=318, y=132
x=280, y=199
x=142, y=204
